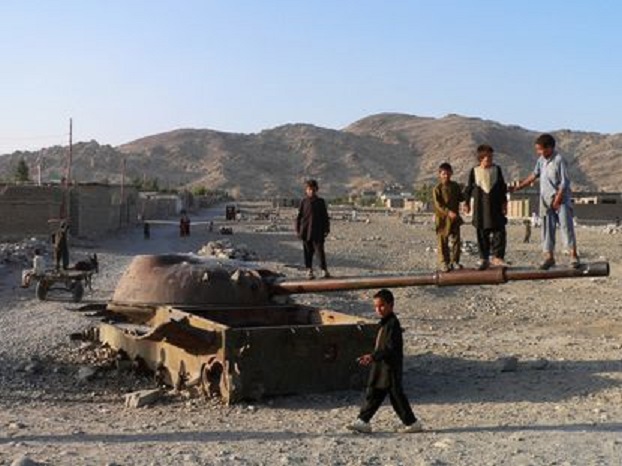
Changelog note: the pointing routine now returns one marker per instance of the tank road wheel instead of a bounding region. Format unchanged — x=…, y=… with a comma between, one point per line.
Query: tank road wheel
x=41, y=290
x=77, y=291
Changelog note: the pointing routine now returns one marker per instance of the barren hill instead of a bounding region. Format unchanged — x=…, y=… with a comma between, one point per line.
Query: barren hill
x=376, y=150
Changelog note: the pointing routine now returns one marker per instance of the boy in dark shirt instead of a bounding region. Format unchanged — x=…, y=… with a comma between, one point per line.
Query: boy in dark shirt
x=312, y=227
x=385, y=377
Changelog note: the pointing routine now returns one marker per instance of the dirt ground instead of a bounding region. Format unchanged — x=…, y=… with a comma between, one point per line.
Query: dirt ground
x=561, y=406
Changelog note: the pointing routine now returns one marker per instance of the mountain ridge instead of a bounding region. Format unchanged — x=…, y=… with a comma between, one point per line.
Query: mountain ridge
x=369, y=153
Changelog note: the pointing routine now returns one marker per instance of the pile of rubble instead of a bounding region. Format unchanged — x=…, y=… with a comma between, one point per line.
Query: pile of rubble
x=612, y=229
x=21, y=253
x=225, y=249
x=272, y=228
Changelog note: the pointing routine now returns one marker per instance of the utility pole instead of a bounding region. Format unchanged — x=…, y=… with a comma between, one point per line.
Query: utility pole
x=64, y=208
x=68, y=181
x=123, y=206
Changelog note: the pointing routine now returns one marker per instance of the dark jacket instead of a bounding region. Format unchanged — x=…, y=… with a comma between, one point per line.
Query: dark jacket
x=388, y=356
x=488, y=206
x=312, y=223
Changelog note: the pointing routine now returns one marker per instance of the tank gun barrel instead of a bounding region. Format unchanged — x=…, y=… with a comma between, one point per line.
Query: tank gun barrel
x=491, y=276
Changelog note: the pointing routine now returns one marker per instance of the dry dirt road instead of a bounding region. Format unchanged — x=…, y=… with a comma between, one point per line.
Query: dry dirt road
x=561, y=406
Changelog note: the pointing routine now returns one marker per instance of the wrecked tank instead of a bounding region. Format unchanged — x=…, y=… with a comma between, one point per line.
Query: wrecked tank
x=230, y=329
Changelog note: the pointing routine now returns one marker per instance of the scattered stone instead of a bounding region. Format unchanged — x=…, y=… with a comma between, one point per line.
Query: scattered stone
x=272, y=228
x=33, y=367
x=142, y=398
x=508, y=364
x=470, y=248
x=444, y=443
x=24, y=461
x=16, y=425
x=224, y=249
x=86, y=373
x=540, y=364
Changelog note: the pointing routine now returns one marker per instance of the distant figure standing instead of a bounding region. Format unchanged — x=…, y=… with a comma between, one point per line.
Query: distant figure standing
x=527, y=237
x=184, y=224
x=555, y=200
x=61, y=247
x=447, y=198
x=489, y=192
x=312, y=227
x=146, y=230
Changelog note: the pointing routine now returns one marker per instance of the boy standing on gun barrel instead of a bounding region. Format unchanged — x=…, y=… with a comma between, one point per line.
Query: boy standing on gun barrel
x=447, y=198
x=555, y=200
x=385, y=377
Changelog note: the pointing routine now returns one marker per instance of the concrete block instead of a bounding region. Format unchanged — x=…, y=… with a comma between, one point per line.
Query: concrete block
x=142, y=398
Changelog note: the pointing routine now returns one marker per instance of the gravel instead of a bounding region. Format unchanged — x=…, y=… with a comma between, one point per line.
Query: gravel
x=561, y=405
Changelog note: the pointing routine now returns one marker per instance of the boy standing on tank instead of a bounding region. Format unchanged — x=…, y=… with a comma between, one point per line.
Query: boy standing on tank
x=447, y=197
x=555, y=200
x=385, y=377
x=312, y=227
x=488, y=190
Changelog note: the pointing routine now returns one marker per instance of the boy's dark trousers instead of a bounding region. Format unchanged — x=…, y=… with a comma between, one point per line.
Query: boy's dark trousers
x=309, y=249
x=375, y=396
x=497, y=244
x=61, y=254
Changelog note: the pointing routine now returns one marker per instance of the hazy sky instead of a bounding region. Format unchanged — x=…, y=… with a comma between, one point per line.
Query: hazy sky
x=124, y=69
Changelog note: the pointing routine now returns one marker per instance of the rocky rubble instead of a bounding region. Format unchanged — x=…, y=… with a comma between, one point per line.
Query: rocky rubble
x=272, y=228
x=21, y=253
x=225, y=249
x=612, y=229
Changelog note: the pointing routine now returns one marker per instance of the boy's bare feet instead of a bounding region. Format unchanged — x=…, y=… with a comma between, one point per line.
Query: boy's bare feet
x=498, y=262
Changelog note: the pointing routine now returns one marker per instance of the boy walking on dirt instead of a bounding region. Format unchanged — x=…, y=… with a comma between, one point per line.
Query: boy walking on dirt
x=385, y=377
x=312, y=227
x=555, y=200
x=447, y=197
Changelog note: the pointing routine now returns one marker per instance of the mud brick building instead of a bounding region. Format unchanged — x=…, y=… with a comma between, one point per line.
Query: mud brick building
x=93, y=209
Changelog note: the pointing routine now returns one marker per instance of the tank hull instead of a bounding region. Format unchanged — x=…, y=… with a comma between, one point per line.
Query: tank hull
x=246, y=354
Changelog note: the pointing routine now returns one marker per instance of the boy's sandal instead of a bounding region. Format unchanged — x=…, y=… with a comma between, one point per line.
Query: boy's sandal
x=547, y=264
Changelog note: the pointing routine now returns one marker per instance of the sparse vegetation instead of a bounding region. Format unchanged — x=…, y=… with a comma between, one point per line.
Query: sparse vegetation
x=22, y=172
x=423, y=193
